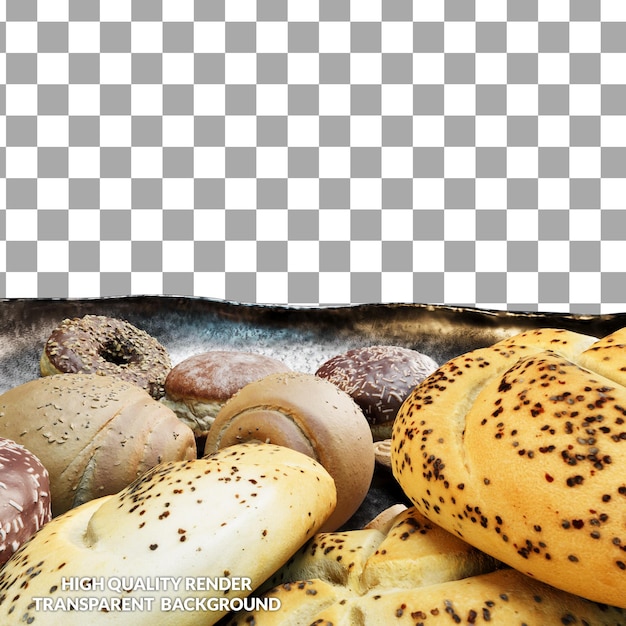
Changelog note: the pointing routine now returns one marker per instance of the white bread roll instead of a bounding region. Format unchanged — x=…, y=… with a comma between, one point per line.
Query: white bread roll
x=94, y=434
x=521, y=452
x=418, y=574
x=238, y=515
x=414, y=552
x=311, y=415
x=503, y=597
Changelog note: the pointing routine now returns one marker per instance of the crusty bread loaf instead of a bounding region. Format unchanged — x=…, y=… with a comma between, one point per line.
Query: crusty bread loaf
x=520, y=450
x=235, y=516
x=94, y=434
x=415, y=574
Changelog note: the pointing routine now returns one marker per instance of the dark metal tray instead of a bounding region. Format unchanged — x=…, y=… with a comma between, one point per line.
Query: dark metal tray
x=302, y=337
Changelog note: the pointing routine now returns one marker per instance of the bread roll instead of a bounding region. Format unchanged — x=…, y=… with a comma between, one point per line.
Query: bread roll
x=414, y=552
x=520, y=450
x=197, y=387
x=503, y=597
x=415, y=574
x=236, y=517
x=24, y=497
x=94, y=434
x=308, y=414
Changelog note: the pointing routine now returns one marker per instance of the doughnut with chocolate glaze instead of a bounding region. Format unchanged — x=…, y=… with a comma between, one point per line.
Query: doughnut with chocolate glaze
x=24, y=497
x=105, y=345
x=379, y=378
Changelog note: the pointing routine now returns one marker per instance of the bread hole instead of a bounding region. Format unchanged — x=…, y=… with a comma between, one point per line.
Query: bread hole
x=118, y=351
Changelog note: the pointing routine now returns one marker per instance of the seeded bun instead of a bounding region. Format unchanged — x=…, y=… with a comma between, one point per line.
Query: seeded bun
x=379, y=378
x=519, y=449
x=311, y=415
x=236, y=516
x=197, y=388
x=24, y=497
x=94, y=434
x=413, y=573
x=501, y=597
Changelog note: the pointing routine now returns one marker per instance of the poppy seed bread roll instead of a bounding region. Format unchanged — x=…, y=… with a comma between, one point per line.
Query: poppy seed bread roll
x=232, y=518
x=308, y=414
x=413, y=574
x=503, y=598
x=94, y=434
x=520, y=450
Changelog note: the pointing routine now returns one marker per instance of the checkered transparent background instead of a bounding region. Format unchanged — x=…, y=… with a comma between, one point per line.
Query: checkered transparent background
x=317, y=152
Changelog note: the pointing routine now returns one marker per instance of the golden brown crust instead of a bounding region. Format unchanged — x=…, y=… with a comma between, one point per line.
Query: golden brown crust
x=197, y=388
x=518, y=450
x=416, y=574
x=94, y=434
x=236, y=516
x=500, y=597
x=311, y=415
x=110, y=346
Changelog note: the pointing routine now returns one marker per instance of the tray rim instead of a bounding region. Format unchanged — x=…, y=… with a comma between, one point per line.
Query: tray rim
x=391, y=305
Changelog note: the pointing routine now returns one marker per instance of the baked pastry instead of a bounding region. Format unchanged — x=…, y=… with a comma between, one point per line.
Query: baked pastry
x=378, y=378
x=311, y=415
x=195, y=535
x=197, y=387
x=519, y=449
x=24, y=497
x=106, y=345
x=415, y=573
x=94, y=434
x=409, y=552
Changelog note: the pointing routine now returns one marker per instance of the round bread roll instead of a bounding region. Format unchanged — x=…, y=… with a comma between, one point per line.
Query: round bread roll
x=311, y=415
x=94, y=434
x=379, y=378
x=109, y=346
x=229, y=520
x=24, y=497
x=197, y=388
x=413, y=573
x=520, y=449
